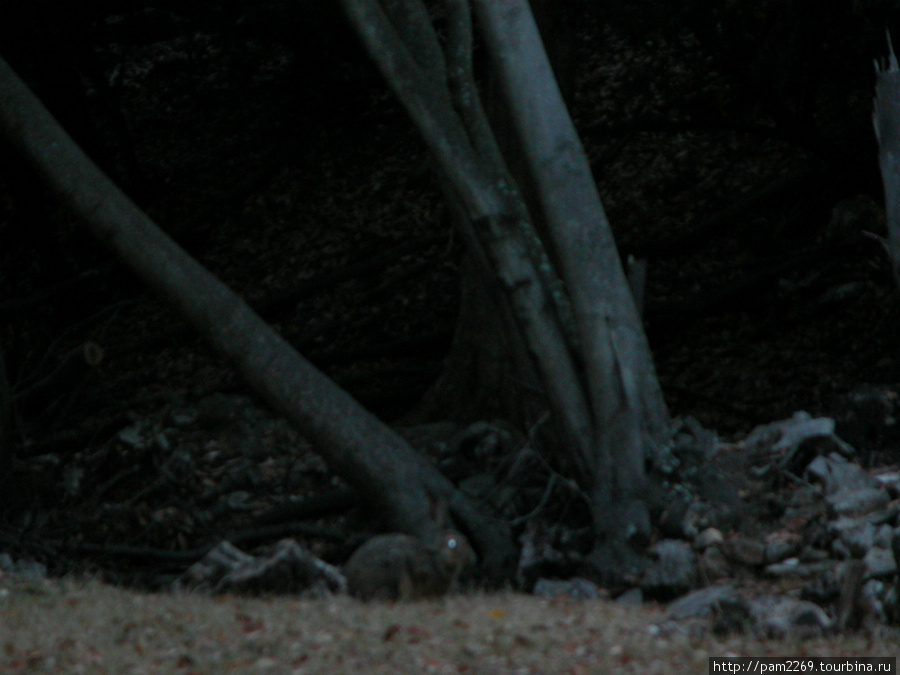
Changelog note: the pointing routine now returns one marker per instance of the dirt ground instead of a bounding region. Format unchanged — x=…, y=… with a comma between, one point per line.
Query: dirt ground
x=85, y=627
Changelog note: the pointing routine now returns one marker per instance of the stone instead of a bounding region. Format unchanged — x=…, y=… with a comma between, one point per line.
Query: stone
x=703, y=603
x=673, y=570
x=708, y=537
x=879, y=563
x=744, y=550
x=782, y=616
x=714, y=565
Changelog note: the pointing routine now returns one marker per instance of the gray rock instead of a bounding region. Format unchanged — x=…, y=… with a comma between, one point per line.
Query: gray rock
x=884, y=537
x=795, y=568
x=890, y=480
x=837, y=473
x=782, y=616
x=856, y=537
x=22, y=569
x=855, y=502
x=766, y=436
x=879, y=563
x=714, y=565
x=703, y=603
x=794, y=440
x=708, y=537
x=783, y=546
x=744, y=550
x=849, y=489
x=673, y=570
x=289, y=568
x=633, y=596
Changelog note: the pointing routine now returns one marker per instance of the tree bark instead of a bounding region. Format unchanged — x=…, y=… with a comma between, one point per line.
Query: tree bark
x=573, y=308
x=396, y=481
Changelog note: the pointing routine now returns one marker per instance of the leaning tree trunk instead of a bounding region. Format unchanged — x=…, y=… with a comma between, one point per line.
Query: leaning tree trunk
x=396, y=481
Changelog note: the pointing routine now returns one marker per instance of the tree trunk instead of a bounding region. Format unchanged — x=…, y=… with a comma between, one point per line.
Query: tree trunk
x=628, y=416
x=488, y=373
x=572, y=306
x=396, y=481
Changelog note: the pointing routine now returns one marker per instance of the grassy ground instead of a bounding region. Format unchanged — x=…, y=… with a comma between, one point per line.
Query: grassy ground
x=76, y=627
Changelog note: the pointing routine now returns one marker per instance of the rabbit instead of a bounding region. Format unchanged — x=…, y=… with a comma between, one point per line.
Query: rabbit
x=401, y=567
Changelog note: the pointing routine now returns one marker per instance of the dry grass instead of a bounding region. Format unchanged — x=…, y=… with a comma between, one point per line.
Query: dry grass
x=77, y=627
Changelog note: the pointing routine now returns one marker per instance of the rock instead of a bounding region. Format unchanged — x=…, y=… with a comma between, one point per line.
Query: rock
x=890, y=481
x=697, y=517
x=836, y=473
x=576, y=588
x=289, y=568
x=850, y=491
x=22, y=569
x=879, y=563
x=714, y=565
x=722, y=606
x=673, y=570
x=703, y=603
x=708, y=537
x=746, y=551
x=733, y=618
x=855, y=537
x=795, y=568
x=781, y=545
x=633, y=596
x=794, y=441
x=857, y=502
x=782, y=616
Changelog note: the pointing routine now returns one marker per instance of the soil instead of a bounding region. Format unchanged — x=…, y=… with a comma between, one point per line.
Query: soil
x=299, y=182
x=92, y=628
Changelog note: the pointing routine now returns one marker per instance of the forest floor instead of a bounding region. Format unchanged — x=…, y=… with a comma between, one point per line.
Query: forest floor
x=305, y=189
x=52, y=627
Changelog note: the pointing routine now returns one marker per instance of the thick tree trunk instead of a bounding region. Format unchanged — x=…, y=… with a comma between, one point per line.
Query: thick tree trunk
x=628, y=416
x=488, y=372
x=396, y=481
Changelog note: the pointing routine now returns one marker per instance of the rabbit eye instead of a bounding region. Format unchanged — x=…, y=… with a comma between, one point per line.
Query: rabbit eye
x=452, y=543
